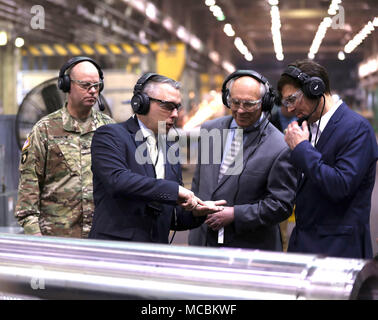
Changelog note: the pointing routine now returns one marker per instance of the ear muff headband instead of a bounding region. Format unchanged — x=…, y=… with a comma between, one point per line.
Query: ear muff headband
x=64, y=80
x=267, y=100
x=312, y=87
x=140, y=102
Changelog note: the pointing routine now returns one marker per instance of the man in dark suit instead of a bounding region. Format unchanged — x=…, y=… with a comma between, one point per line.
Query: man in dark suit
x=258, y=183
x=136, y=179
x=336, y=156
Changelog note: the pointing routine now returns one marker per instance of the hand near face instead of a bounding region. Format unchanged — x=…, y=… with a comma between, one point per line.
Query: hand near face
x=220, y=219
x=295, y=134
x=209, y=208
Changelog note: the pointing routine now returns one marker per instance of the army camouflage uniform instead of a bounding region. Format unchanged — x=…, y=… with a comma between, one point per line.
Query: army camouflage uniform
x=55, y=193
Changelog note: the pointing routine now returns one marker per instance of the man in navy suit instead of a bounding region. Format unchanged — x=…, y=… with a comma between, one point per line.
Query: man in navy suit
x=335, y=150
x=136, y=180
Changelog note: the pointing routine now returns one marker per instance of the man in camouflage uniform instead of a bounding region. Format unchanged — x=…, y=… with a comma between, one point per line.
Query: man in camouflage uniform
x=55, y=194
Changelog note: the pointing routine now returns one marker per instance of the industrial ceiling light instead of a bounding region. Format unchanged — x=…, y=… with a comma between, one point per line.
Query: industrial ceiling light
x=151, y=11
x=276, y=29
x=214, y=56
x=19, y=42
x=273, y=2
x=319, y=36
x=334, y=7
x=229, y=67
x=168, y=23
x=341, y=55
x=359, y=37
x=228, y=30
x=3, y=38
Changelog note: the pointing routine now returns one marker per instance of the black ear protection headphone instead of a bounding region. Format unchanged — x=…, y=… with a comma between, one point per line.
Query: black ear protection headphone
x=64, y=80
x=140, y=102
x=312, y=87
x=269, y=97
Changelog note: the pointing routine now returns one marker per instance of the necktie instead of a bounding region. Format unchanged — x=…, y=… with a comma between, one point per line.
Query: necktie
x=228, y=161
x=152, y=149
x=154, y=155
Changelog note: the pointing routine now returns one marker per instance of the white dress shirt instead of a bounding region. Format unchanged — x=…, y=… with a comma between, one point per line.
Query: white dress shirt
x=315, y=132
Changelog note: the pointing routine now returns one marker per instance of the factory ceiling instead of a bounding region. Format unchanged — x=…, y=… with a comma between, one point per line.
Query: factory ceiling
x=296, y=22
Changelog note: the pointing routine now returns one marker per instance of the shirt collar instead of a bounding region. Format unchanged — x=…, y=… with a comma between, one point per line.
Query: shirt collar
x=326, y=117
x=145, y=131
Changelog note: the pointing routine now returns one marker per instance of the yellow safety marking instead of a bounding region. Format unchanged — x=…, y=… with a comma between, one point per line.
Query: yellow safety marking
x=34, y=51
x=87, y=49
x=129, y=49
x=100, y=48
x=114, y=49
x=47, y=50
x=74, y=49
x=60, y=50
x=143, y=49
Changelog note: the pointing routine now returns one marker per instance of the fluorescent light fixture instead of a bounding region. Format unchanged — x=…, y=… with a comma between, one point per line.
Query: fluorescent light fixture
x=168, y=23
x=375, y=22
x=228, y=30
x=195, y=43
x=19, y=42
x=214, y=56
x=334, y=7
x=341, y=55
x=151, y=11
x=368, y=67
x=319, y=36
x=359, y=37
x=182, y=33
x=139, y=5
x=210, y=3
x=276, y=30
x=3, y=38
x=273, y=2
x=248, y=56
x=229, y=67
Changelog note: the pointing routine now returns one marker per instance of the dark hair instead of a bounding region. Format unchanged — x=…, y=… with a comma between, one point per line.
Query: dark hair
x=309, y=67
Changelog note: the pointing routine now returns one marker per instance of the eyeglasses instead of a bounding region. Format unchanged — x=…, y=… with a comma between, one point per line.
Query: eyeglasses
x=86, y=85
x=247, y=105
x=167, y=105
x=290, y=100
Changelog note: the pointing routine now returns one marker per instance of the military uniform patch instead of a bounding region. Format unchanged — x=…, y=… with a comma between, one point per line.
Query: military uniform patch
x=26, y=144
x=24, y=157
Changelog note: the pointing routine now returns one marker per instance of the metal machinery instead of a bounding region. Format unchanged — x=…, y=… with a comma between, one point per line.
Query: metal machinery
x=60, y=268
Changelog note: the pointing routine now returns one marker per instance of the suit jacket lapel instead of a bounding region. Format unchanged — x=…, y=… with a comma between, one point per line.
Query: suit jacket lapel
x=132, y=126
x=325, y=135
x=224, y=126
x=250, y=144
x=330, y=127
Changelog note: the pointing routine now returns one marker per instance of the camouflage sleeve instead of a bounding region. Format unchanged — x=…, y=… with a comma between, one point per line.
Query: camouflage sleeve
x=32, y=165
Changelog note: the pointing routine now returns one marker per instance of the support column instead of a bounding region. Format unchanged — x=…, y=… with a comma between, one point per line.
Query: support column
x=10, y=57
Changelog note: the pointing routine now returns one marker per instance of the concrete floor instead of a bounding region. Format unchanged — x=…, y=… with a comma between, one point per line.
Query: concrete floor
x=182, y=236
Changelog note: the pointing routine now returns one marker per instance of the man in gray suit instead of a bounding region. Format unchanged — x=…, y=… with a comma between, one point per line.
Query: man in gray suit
x=254, y=176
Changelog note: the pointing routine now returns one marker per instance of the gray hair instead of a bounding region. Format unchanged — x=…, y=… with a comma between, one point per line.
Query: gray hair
x=263, y=87
x=150, y=86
